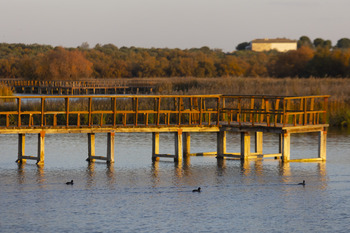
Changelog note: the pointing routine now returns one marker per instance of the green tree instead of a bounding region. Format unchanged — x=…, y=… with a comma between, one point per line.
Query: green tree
x=304, y=41
x=343, y=43
x=292, y=63
x=242, y=46
x=320, y=43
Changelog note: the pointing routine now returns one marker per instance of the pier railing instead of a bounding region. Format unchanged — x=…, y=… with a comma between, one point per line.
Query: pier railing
x=160, y=110
x=76, y=84
x=275, y=110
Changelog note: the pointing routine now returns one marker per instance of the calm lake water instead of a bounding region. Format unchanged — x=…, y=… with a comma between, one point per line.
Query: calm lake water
x=136, y=195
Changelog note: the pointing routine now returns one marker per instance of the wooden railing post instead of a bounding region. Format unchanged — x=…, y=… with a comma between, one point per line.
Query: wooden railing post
x=158, y=111
x=239, y=111
x=114, y=111
x=305, y=111
x=284, y=117
x=42, y=111
x=136, y=107
x=267, y=107
x=325, y=106
x=218, y=111
x=67, y=111
x=90, y=111
x=19, y=112
x=201, y=111
x=277, y=103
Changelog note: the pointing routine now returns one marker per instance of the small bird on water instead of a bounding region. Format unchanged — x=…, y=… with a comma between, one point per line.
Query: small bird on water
x=303, y=183
x=197, y=190
x=70, y=182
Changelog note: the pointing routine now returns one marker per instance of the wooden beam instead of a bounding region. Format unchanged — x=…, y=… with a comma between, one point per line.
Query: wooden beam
x=221, y=144
x=285, y=146
x=322, y=145
x=245, y=145
x=91, y=147
x=155, y=146
x=259, y=142
x=41, y=147
x=21, y=147
x=186, y=144
x=178, y=146
x=110, y=147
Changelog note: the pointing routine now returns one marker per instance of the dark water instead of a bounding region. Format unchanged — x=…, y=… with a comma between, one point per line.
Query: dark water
x=134, y=195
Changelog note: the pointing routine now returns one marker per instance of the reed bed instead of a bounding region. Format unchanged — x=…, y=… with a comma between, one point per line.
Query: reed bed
x=338, y=88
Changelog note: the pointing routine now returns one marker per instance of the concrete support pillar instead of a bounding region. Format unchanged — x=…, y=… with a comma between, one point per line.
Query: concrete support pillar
x=322, y=144
x=285, y=146
x=21, y=147
x=110, y=147
x=245, y=145
x=186, y=144
x=221, y=144
x=178, y=146
x=155, y=146
x=41, y=147
x=259, y=142
x=91, y=147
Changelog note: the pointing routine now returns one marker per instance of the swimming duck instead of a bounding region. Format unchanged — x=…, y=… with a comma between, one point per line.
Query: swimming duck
x=302, y=183
x=70, y=182
x=197, y=190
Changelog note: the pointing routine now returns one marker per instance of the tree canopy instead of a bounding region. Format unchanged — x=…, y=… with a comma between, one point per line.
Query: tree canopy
x=43, y=62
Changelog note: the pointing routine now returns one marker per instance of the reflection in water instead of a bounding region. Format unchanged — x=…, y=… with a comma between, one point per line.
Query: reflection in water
x=21, y=173
x=220, y=166
x=245, y=167
x=178, y=169
x=91, y=173
x=40, y=176
x=155, y=173
x=284, y=169
x=110, y=172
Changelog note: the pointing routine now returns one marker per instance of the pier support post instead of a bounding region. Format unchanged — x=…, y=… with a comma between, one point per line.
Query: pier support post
x=221, y=144
x=285, y=136
x=322, y=144
x=186, y=144
x=91, y=147
x=110, y=147
x=178, y=146
x=259, y=143
x=155, y=146
x=21, y=147
x=245, y=145
x=41, y=147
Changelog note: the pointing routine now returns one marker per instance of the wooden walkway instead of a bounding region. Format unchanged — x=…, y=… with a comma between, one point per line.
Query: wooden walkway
x=179, y=114
x=115, y=86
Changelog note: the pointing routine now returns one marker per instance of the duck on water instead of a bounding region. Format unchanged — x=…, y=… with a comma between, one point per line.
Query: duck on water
x=303, y=183
x=69, y=182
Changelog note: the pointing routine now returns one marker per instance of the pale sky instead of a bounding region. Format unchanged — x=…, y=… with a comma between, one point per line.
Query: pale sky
x=180, y=24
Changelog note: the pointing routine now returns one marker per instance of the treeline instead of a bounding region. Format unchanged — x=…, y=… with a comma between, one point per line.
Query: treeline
x=43, y=62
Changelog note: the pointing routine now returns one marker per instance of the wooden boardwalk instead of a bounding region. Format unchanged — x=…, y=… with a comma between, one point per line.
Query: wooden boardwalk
x=115, y=86
x=179, y=114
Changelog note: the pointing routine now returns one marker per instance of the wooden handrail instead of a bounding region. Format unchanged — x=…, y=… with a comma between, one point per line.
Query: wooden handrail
x=158, y=110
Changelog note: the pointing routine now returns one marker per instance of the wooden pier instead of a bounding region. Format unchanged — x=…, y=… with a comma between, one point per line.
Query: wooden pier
x=249, y=116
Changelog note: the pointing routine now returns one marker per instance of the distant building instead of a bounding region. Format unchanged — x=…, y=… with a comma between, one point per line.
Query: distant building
x=279, y=44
